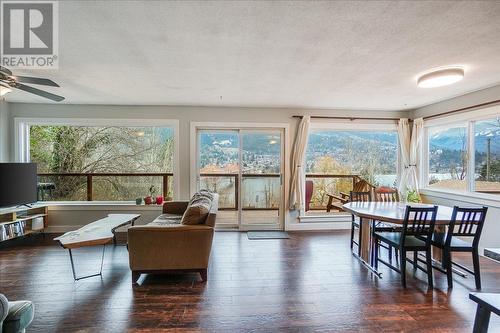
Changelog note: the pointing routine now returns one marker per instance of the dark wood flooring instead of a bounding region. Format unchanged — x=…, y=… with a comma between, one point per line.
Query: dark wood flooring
x=308, y=283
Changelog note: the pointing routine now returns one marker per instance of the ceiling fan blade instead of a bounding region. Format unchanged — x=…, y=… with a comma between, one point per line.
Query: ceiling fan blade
x=35, y=80
x=5, y=70
x=39, y=92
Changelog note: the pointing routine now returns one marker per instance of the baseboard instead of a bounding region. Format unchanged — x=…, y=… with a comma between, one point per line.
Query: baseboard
x=493, y=254
x=312, y=226
x=58, y=229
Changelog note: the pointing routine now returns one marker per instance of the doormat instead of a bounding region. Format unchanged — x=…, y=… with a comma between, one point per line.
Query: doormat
x=254, y=235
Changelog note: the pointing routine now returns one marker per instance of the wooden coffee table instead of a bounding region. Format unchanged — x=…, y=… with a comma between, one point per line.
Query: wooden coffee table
x=100, y=232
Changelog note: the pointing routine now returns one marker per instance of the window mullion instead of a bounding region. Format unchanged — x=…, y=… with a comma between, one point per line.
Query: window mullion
x=471, y=157
x=424, y=159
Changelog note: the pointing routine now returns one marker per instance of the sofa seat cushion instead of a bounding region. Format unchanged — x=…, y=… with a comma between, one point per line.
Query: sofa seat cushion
x=167, y=216
x=21, y=314
x=197, y=210
x=165, y=221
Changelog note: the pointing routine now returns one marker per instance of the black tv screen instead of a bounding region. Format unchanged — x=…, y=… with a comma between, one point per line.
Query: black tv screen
x=18, y=184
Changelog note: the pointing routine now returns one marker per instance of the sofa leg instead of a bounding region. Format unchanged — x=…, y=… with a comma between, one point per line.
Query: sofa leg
x=203, y=274
x=135, y=276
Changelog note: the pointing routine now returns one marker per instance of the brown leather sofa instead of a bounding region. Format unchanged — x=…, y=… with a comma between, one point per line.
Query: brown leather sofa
x=168, y=246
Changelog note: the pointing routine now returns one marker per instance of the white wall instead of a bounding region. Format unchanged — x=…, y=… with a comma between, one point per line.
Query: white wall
x=490, y=236
x=63, y=218
x=4, y=131
x=473, y=98
x=185, y=115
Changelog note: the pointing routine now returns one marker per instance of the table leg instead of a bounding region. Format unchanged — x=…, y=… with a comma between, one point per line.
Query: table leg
x=437, y=253
x=132, y=223
x=482, y=320
x=365, y=241
x=87, y=276
x=365, y=246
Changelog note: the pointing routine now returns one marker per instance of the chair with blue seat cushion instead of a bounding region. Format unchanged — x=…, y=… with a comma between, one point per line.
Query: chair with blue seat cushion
x=15, y=316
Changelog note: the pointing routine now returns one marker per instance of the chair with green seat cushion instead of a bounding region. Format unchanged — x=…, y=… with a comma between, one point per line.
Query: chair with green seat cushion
x=415, y=236
x=4, y=310
x=465, y=222
x=15, y=316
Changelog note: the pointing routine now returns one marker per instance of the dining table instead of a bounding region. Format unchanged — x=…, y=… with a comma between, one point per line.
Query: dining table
x=372, y=212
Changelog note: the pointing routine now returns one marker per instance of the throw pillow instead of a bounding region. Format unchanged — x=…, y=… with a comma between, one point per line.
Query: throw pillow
x=197, y=211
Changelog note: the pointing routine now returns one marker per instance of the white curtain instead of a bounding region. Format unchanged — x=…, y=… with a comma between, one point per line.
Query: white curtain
x=409, y=142
x=297, y=186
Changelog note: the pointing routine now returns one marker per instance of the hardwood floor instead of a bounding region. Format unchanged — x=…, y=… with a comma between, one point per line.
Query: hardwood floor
x=308, y=283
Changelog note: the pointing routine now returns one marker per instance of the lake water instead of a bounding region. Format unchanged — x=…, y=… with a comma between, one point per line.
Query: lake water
x=265, y=192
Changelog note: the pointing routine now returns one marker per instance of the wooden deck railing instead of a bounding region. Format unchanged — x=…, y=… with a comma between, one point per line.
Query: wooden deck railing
x=354, y=180
x=166, y=181
x=237, y=186
x=235, y=179
x=89, y=177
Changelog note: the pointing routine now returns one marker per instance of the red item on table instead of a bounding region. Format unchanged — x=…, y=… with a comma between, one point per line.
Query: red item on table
x=148, y=200
x=159, y=200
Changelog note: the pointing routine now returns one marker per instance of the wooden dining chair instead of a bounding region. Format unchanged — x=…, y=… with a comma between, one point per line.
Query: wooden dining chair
x=416, y=236
x=358, y=196
x=465, y=222
x=387, y=194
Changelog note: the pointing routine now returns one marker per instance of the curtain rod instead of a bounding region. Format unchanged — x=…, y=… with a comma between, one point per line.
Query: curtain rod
x=462, y=109
x=348, y=118
x=396, y=119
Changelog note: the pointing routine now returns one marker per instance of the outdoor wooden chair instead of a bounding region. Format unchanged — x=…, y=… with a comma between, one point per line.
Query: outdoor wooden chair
x=336, y=201
x=309, y=193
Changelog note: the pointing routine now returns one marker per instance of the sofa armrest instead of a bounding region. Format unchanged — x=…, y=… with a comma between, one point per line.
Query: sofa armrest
x=175, y=207
x=169, y=247
x=4, y=309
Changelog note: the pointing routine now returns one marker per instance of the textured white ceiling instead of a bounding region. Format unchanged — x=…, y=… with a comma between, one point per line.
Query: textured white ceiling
x=334, y=54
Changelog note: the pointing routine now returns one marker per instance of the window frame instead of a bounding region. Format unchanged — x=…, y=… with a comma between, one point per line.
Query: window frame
x=469, y=119
x=361, y=126
x=22, y=143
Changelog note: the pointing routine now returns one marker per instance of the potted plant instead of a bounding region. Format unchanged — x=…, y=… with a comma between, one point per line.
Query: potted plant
x=150, y=199
x=413, y=196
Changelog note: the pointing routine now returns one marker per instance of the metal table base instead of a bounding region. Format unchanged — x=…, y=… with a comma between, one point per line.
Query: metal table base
x=87, y=276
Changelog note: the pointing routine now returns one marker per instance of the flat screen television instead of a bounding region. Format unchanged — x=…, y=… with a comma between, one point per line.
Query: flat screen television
x=18, y=184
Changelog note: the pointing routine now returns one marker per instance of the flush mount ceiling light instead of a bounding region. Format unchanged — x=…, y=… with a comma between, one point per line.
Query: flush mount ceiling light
x=440, y=77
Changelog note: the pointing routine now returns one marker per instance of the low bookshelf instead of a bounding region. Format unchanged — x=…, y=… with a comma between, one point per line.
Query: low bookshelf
x=22, y=221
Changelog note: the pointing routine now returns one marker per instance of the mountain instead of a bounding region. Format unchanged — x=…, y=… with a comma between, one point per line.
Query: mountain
x=456, y=138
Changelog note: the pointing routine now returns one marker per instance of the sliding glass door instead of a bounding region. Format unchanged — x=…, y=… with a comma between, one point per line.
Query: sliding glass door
x=219, y=169
x=261, y=177
x=245, y=167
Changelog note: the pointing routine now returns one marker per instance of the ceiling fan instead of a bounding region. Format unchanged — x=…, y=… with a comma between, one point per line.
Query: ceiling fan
x=8, y=80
